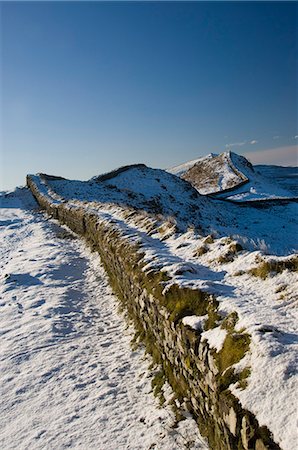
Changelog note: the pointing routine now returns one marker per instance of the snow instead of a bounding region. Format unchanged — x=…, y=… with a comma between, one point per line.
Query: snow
x=267, y=310
x=265, y=307
x=236, y=180
x=215, y=337
x=285, y=177
x=195, y=322
x=156, y=192
x=69, y=377
x=259, y=187
x=182, y=168
x=211, y=174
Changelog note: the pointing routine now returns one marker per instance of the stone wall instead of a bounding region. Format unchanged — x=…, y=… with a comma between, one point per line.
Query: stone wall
x=197, y=374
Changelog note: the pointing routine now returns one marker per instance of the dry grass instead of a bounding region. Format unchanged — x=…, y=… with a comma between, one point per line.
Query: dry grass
x=273, y=267
x=200, y=250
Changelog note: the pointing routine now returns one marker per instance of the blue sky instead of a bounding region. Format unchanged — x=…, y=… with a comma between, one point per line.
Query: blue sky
x=87, y=87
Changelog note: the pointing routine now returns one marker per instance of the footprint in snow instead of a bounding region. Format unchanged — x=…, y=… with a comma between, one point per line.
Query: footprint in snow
x=106, y=344
x=37, y=304
x=100, y=330
x=39, y=435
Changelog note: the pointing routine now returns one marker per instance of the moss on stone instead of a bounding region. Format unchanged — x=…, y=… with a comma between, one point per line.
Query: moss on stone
x=234, y=348
x=214, y=317
x=242, y=377
x=157, y=383
x=182, y=302
x=230, y=321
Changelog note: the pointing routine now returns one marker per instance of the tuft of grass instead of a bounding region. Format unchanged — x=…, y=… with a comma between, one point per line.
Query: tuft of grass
x=232, y=250
x=167, y=229
x=280, y=288
x=209, y=239
x=274, y=267
x=201, y=250
x=262, y=270
x=235, y=247
x=238, y=273
x=225, y=258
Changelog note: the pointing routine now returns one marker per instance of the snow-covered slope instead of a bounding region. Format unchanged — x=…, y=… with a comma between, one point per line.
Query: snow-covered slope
x=182, y=168
x=152, y=190
x=258, y=187
x=232, y=177
x=284, y=177
x=69, y=378
x=211, y=174
x=265, y=302
x=167, y=197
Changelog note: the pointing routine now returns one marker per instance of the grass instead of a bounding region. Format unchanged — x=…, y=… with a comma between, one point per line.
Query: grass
x=201, y=250
x=229, y=255
x=209, y=239
x=273, y=267
x=167, y=229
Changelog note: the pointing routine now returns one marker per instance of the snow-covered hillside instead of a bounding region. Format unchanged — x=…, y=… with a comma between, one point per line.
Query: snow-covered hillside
x=168, y=197
x=232, y=177
x=69, y=377
x=285, y=177
x=231, y=262
x=182, y=168
x=214, y=173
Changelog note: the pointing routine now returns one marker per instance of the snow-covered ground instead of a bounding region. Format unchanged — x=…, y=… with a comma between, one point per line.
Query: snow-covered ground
x=266, y=307
x=69, y=377
x=160, y=193
x=232, y=177
x=261, y=185
x=213, y=173
x=285, y=177
x=267, y=310
x=184, y=167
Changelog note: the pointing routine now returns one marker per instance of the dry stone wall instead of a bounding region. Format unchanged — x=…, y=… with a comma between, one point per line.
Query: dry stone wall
x=198, y=375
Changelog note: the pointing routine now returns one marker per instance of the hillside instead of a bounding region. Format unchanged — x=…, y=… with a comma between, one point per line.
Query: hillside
x=152, y=225
x=285, y=177
x=232, y=177
x=211, y=174
x=168, y=198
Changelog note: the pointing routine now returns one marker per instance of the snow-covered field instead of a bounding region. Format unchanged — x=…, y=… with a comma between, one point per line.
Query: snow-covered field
x=69, y=377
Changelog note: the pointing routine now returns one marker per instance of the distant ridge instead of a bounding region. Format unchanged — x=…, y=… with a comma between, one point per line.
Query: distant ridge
x=182, y=168
x=115, y=172
x=232, y=177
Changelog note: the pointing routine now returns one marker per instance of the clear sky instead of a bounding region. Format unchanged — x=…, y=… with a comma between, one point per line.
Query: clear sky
x=87, y=87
